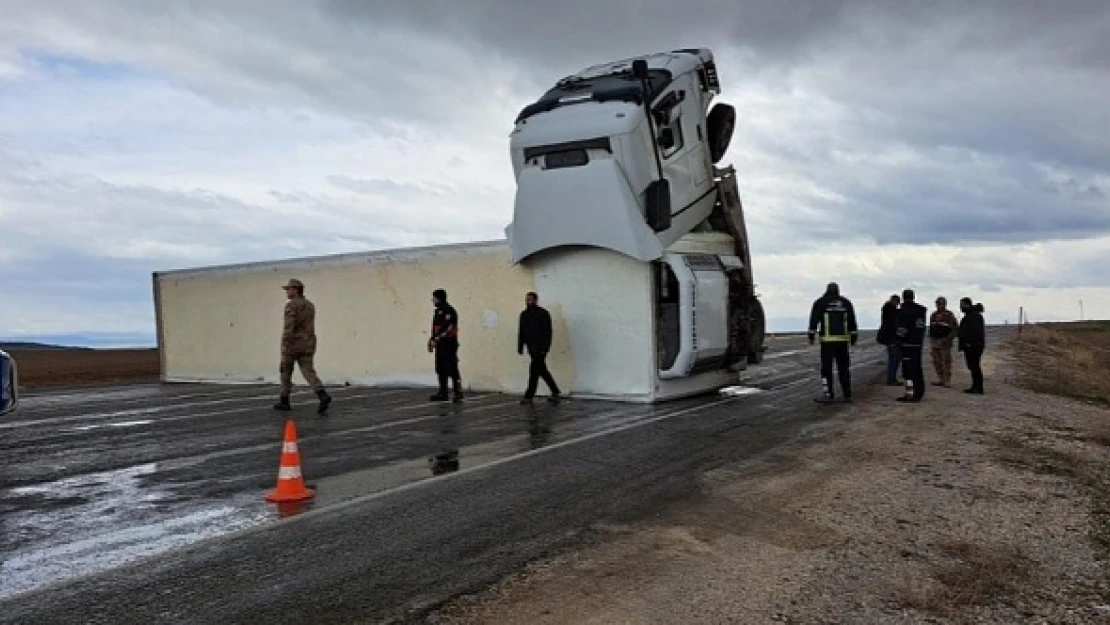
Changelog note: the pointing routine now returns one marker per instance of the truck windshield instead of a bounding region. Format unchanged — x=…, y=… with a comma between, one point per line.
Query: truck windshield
x=622, y=86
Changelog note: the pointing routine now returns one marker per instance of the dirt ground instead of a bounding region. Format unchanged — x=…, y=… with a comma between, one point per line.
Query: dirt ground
x=57, y=368
x=964, y=508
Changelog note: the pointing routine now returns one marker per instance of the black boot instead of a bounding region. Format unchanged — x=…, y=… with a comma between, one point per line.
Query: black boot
x=283, y=403
x=458, y=391
x=325, y=401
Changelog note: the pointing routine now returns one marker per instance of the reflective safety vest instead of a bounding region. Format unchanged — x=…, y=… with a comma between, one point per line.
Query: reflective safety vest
x=837, y=318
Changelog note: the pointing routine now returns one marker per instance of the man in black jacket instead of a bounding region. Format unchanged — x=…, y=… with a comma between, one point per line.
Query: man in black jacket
x=445, y=343
x=888, y=329
x=912, y=321
x=836, y=317
x=972, y=342
x=535, y=333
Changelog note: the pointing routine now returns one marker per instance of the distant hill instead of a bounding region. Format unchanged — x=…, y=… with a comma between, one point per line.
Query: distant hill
x=16, y=345
x=89, y=340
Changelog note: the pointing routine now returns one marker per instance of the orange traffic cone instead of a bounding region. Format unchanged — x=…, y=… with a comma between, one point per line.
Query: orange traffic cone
x=290, y=484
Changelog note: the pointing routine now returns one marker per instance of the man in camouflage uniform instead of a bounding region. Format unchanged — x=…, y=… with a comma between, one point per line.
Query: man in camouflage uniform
x=942, y=331
x=298, y=345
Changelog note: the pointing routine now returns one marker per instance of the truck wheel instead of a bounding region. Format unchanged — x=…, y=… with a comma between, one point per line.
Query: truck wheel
x=757, y=327
x=721, y=124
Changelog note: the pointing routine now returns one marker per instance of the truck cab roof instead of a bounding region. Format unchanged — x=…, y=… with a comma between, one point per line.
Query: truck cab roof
x=613, y=81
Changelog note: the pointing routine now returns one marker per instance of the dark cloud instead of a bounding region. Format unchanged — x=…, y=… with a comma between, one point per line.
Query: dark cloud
x=862, y=121
x=577, y=31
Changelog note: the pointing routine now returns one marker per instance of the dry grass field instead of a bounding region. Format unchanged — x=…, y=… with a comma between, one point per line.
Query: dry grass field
x=60, y=368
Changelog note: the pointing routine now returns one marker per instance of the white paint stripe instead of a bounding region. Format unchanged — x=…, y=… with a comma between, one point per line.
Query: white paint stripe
x=104, y=395
x=289, y=473
x=22, y=424
x=160, y=420
x=289, y=448
x=171, y=406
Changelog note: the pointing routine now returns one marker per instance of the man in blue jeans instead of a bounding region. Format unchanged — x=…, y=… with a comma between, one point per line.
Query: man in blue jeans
x=888, y=330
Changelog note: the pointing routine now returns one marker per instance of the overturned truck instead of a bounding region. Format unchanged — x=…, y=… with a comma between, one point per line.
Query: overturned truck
x=623, y=223
x=624, y=157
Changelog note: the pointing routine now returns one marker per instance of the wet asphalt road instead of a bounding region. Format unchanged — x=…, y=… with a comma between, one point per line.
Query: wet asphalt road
x=93, y=481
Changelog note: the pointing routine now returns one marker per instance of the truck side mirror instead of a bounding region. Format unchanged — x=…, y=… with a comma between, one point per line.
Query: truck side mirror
x=640, y=69
x=658, y=205
x=666, y=138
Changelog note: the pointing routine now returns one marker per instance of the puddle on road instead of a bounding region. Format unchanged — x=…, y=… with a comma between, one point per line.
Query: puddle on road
x=94, y=522
x=540, y=431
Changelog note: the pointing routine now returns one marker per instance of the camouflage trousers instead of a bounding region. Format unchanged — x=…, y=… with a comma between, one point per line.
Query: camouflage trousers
x=942, y=363
x=308, y=370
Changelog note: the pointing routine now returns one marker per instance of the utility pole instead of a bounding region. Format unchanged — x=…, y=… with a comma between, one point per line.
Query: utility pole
x=1081, y=310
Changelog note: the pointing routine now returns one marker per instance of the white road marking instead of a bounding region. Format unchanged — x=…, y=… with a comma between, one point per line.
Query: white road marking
x=170, y=406
x=152, y=410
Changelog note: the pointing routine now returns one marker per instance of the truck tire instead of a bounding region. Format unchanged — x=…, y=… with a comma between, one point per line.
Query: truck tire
x=721, y=124
x=757, y=327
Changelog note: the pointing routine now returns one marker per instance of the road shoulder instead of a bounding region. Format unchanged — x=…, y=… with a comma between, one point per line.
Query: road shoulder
x=984, y=507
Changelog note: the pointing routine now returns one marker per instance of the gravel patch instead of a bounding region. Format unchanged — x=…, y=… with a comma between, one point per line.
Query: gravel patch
x=961, y=509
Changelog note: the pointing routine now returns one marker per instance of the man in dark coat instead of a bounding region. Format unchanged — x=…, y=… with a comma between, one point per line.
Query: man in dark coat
x=888, y=330
x=534, y=332
x=445, y=343
x=972, y=342
x=912, y=322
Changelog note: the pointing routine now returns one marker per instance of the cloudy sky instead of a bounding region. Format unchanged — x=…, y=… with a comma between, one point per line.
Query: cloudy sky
x=959, y=148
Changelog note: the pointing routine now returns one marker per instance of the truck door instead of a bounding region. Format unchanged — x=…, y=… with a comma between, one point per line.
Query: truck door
x=686, y=161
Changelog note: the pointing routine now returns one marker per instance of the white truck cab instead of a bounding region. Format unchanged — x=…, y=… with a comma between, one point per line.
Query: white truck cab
x=622, y=156
x=594, y=167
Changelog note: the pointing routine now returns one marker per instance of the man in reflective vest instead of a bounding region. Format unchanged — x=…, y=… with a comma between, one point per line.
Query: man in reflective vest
x=835, y=316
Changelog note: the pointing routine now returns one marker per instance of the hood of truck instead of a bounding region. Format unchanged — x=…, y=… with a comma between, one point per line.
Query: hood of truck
x=577, y=121
x=591, y=205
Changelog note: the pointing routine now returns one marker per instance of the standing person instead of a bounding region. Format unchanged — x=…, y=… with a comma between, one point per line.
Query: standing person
x=837, y=319
x=888, y=333
x=534, y=332
x=445, y=343
x=911, y=337
x=942, y=330
x=973, y=340
x=298, y=345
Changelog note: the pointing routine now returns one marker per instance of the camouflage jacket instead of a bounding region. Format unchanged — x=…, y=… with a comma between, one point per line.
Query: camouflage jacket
x=942, y=329
x=299, y=333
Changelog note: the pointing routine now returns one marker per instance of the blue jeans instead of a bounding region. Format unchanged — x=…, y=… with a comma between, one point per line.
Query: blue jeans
x=893, y=359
